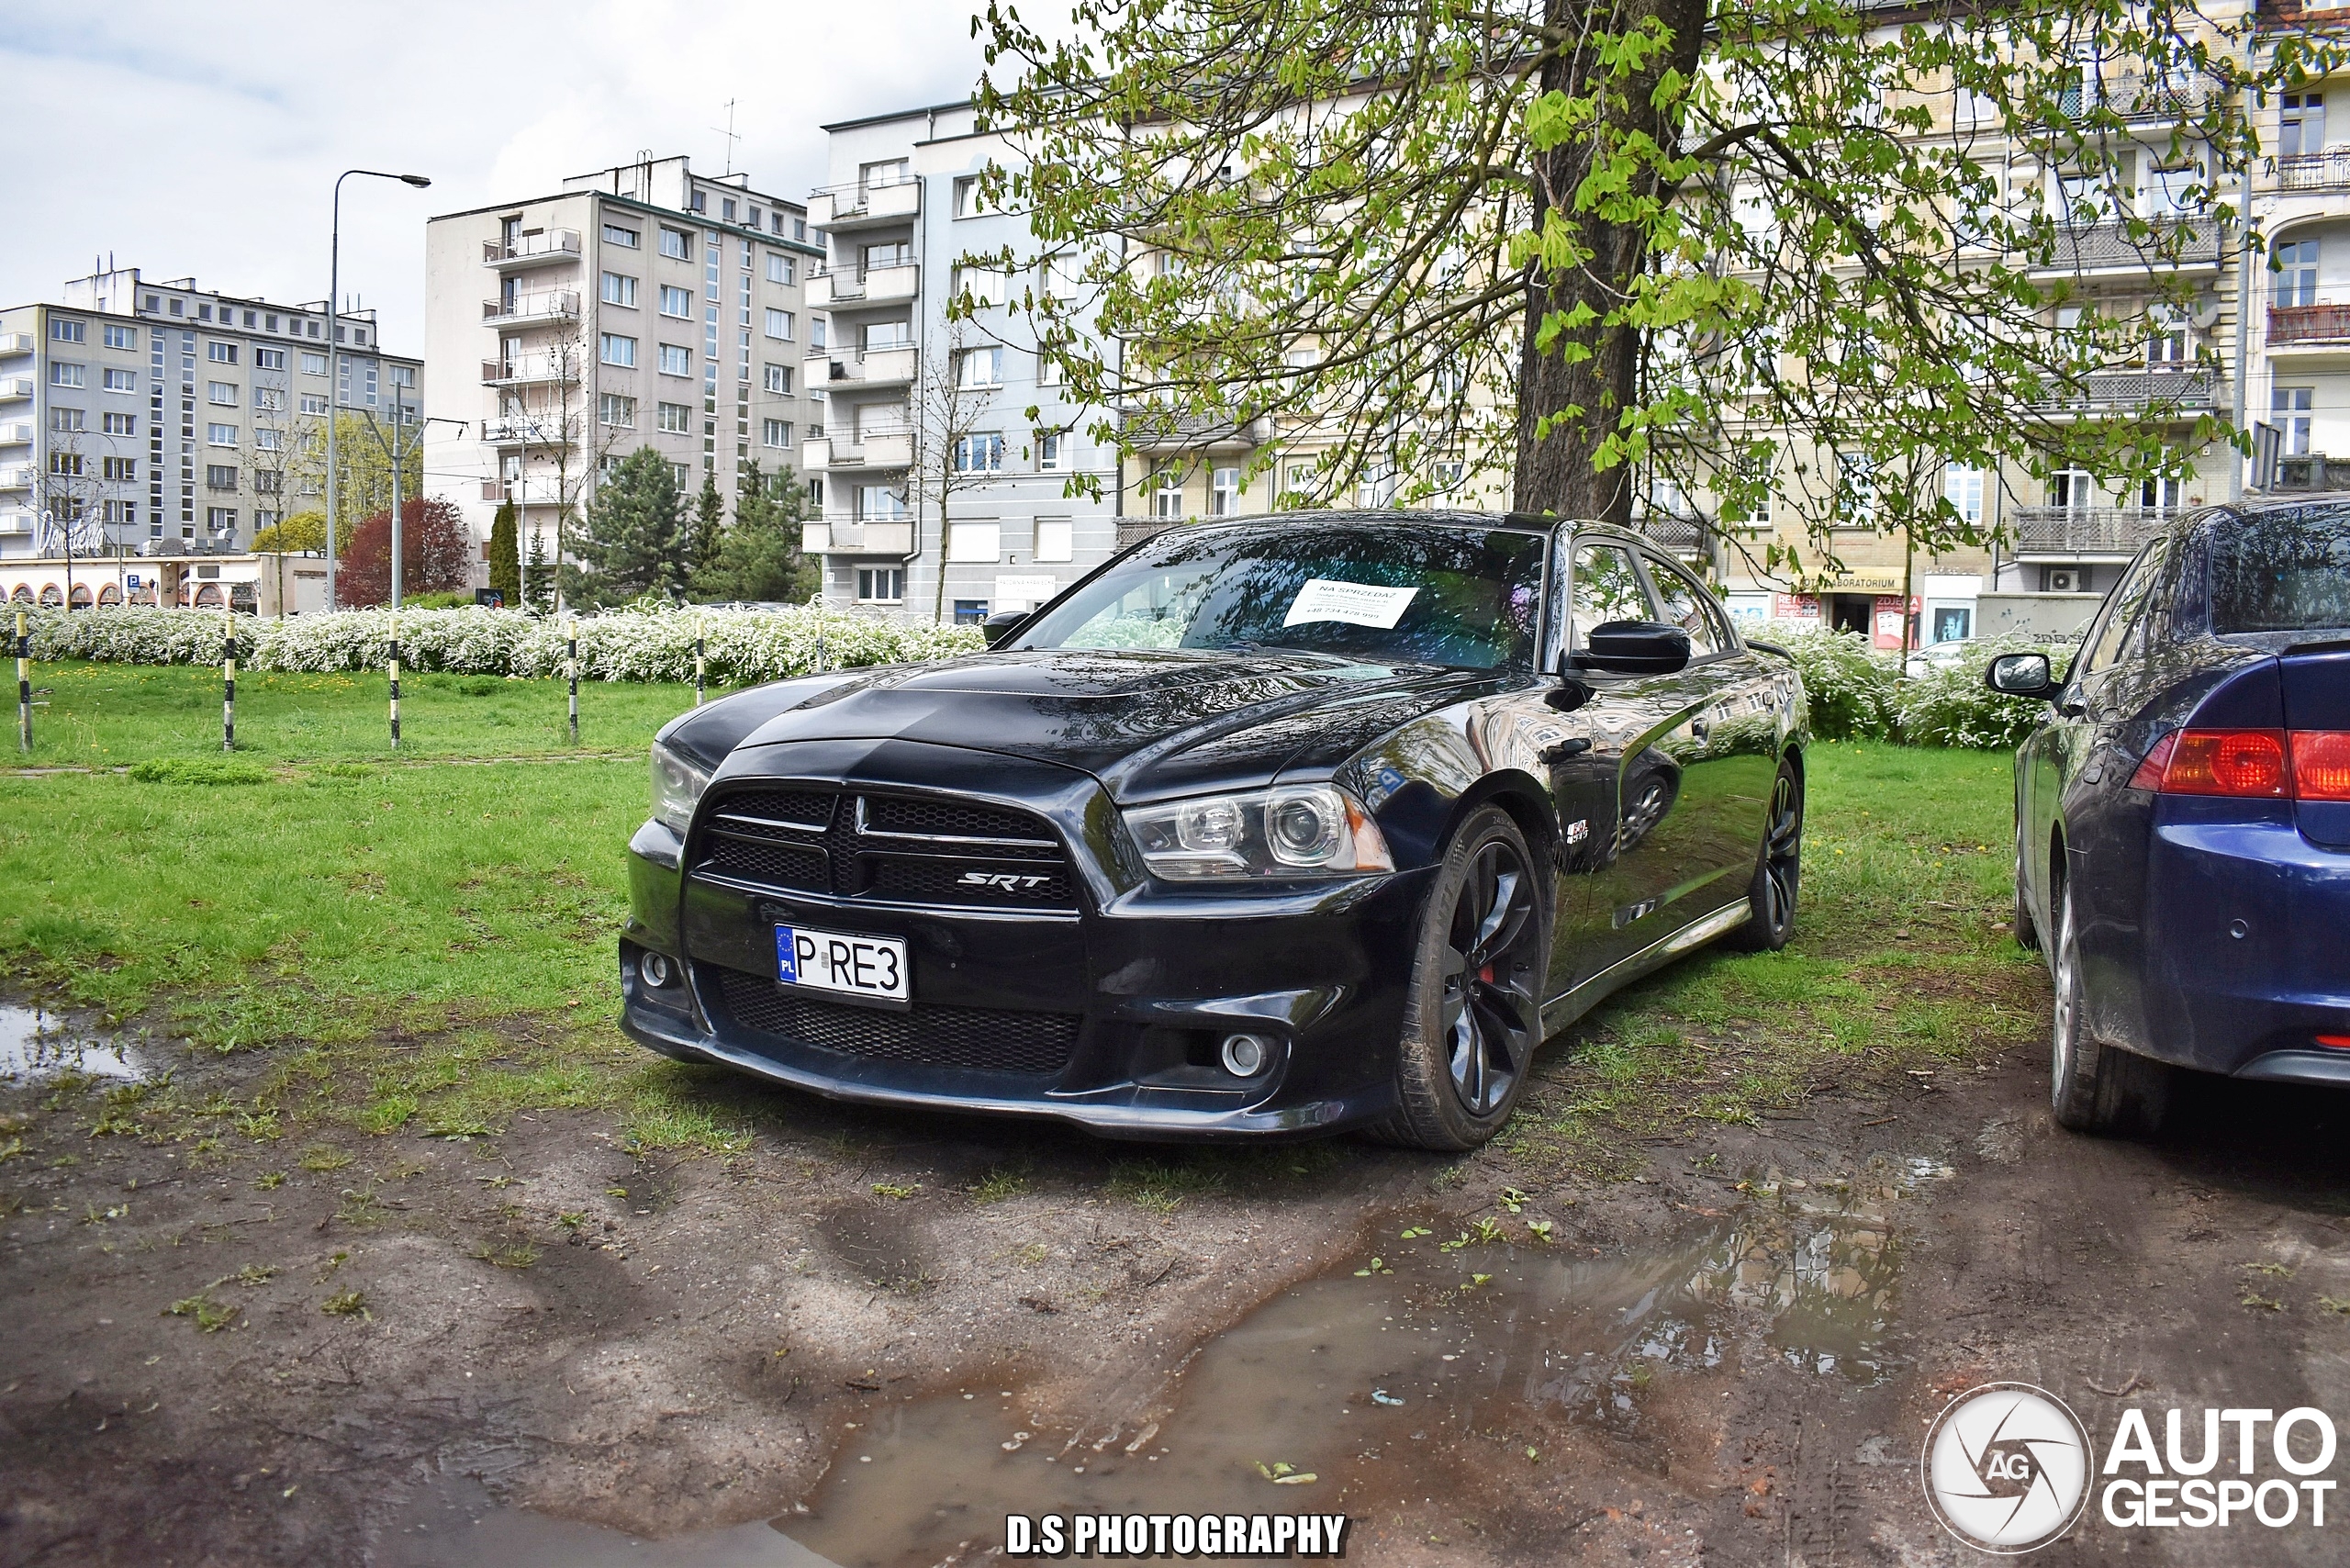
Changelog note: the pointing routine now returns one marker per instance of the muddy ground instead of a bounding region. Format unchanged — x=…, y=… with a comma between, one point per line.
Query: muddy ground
x=882, y=1332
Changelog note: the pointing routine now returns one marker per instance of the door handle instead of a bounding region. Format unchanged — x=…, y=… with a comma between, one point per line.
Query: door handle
x=1558, y=751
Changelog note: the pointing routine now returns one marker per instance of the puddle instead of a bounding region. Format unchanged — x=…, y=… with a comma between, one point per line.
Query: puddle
x=456, y=1526
x=37, y=1044
x=1382, y=1386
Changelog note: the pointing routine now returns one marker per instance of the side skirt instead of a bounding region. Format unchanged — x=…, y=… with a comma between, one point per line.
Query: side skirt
x=1564, y=1009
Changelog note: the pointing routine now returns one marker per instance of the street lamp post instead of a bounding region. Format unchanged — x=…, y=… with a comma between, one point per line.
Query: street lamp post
x=334, y=351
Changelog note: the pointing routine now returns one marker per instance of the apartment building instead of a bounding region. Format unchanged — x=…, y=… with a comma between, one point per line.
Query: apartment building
x=2300, y=367
x=146, y=418
x=643, y=305
x=914, y=409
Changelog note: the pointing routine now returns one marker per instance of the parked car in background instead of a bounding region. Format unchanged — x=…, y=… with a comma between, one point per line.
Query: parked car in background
x=2183, y=816
x=1262, y=828
x=1942, y=655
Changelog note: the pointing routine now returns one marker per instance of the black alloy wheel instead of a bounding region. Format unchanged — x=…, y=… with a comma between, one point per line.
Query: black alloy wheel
x=1473, y=1016
x=1778, y=868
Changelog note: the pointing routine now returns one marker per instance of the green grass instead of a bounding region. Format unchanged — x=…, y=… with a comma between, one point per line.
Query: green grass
x=429, y=949
x=108, y=715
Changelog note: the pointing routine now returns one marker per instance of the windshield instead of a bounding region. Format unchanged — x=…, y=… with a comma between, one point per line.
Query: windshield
x=2281, y=571
x=1380, y=593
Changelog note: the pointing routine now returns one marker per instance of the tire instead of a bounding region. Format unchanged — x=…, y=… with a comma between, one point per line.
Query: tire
x=1778, y=870
x=2026, y=930
x=1472, y=1017
x=2095, y=1087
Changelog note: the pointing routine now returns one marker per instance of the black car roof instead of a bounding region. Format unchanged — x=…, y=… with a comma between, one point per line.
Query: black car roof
x=2314, y=503
x=1533, y=522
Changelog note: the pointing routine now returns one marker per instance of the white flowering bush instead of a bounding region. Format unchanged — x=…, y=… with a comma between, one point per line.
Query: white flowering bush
x=638, y=644
x=1951, y=706
x=1849, y=686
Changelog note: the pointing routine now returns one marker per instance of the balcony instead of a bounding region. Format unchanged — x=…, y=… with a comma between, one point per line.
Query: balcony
x=2135, y=96
x=525, y=369
x=16, y=343
x=18, y=476
x=2067, y=532
x=2179, y=393
x=859, y=206
x=1150, y=433
x=882, y=447
x=14, y=389
x=16, y=522
x=815, y=455
x=554, y=245
x=535, y=490
x=863, y=285
x=841, y=536
x=555, y=305
x=2099, y=247
x=875, y=367
x=2326, y=171
x=2301, y=331
x=17, y=434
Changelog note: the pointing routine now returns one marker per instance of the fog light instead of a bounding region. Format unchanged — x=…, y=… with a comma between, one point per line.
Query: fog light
x=656, y=969
x=1245, y=1056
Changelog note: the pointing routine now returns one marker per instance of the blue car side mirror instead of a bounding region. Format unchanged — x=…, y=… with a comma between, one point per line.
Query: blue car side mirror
x=2021, y=675
x=1635, y=647
x=999, y=625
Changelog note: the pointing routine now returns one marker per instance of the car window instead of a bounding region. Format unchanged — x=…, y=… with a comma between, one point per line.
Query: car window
x=1687, y=605
x=2113, y=631
x=1606, y=588
x=2281, y=571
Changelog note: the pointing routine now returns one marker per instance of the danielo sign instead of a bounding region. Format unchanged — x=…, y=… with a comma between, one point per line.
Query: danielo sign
x=2008, y=1468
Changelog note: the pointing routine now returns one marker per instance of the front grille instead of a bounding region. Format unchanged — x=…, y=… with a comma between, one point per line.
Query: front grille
x=951, y=819
x=984, y=1038
x=899, y=849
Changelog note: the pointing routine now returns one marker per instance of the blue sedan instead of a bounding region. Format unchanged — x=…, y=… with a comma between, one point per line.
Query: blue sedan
x=2183, y=816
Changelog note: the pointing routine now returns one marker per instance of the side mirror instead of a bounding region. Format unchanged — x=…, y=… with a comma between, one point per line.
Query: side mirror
x=1636, y=647
x=999, y=625
x=2021, y=675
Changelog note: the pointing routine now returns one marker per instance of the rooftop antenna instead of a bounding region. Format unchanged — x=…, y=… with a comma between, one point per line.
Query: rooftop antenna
x=729, y=134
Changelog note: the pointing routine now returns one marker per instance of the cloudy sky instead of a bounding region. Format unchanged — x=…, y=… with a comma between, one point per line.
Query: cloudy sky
x=205, y=138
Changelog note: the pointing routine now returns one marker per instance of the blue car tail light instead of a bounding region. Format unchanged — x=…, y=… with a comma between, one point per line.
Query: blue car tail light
x=2301, y=765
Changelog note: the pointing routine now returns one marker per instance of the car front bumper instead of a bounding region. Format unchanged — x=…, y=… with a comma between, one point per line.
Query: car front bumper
x=1131, y=997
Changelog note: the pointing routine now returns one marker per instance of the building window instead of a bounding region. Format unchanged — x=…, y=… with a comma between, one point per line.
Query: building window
x=268, y=399
x=313, y=363
x=2289, y=409
x=979, y=452
x=676, y=301
x=122, y=468
x=619, y=290
x=223, y=393
x=64, y=331
x=314, y=402
x=267, y=481
x=617, y=411
x=220, y=520
x=122, y=337
x=975, y=543
x=121, y=424
x=221, y=353
x=122, y=511
x=65, y=464
x=880, y=585
x=779, y=324
x=880, y=503
x=970, y=611
x=1447, y=476
x=966, y=197
x=269, y=359
x=66, y=419
x=220, y=435
x=677, y=359
x=816, y=332
x=616, y=235
x=725, y=208
x=776, y=433
x=618, y=350
x=699, y=201
x=219, y=476
x=782, y=268
x=677, y=419
x=2296, y=268
x=890, y=172
x=978, y=367
x=1223, y=492
x=1166, y=493
x=779, y=379
x=1962, y=488
x=2167, y=338
x=63, y=374
x=1048, y=452
x=402, y=375
x=676, y=242
x=265, y=439
x=683, y=476
x=2300, y=127
x=1056, y=539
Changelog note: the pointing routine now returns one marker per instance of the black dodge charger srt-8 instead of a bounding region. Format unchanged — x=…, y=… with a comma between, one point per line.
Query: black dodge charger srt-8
x=1269, y=827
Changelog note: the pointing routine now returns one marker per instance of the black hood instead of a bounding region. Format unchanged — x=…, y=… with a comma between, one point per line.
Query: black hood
x=1147, y=722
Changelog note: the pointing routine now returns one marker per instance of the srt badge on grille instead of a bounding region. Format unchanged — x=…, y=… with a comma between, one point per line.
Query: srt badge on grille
x=1004, y=880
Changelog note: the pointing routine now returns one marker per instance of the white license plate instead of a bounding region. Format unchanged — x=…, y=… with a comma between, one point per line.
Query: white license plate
x=871, y=967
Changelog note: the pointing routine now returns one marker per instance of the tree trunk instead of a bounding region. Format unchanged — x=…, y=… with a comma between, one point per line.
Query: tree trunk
x=1586, y=398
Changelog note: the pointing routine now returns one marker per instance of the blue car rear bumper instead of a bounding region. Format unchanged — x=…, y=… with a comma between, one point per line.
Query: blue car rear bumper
x=2246, y=954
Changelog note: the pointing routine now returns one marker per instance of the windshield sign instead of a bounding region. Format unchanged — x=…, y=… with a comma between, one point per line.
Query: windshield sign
x=1462, y=597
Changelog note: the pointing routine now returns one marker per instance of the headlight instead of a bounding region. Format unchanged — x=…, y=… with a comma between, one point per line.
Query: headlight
x=676, y=785
x=1297, y=830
